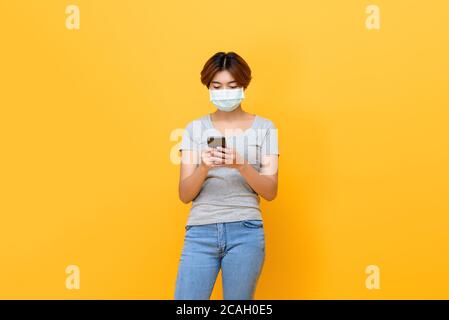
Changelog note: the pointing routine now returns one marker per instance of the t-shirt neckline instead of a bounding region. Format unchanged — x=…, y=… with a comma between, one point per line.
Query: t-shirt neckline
x=209, y=118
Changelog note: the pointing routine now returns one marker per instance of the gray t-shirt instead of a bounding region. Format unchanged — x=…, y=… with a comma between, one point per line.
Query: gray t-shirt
x=225, y=196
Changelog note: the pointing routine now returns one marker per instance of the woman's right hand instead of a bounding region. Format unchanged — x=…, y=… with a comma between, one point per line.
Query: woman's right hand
x=208, y=160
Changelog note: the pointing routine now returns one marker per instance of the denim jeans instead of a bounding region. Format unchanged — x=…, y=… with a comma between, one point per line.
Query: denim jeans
x=238, y=248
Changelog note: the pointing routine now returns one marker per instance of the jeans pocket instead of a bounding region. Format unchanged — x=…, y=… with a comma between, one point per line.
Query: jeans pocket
x=252, y=223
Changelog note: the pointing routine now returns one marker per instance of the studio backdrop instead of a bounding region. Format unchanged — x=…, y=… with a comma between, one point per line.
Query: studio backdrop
x=94, y=97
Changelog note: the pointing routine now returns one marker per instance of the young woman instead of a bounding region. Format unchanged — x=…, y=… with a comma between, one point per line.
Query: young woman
x=225, y=227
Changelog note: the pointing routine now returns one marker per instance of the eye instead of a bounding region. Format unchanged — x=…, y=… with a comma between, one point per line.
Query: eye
x=233, y=87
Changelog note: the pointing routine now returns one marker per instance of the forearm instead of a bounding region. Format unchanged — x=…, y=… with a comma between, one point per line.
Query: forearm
x=264, y=185
x=191, y=186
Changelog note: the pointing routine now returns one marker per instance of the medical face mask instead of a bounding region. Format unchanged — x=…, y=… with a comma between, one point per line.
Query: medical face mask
x=226, y=99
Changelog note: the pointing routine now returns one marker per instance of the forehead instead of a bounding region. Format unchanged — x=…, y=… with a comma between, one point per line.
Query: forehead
x=223, y=76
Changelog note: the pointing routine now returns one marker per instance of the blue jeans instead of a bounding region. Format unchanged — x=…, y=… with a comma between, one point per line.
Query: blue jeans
x=238, y=248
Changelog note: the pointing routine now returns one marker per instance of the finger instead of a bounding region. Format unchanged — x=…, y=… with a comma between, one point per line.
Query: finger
x=228, y=159
x=219, y=149
x=217, y=160
x=219, y=154
x=224, y=150
x=227, y=156
x=216, y=165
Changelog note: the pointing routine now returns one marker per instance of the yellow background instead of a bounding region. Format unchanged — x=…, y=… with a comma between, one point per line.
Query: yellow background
x=85, y=124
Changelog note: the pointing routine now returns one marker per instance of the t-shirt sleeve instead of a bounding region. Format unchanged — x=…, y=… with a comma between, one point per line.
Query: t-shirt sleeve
x=270, y=144
x=188, y=142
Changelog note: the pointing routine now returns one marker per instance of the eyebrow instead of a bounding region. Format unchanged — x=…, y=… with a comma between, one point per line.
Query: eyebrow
x=218, y=82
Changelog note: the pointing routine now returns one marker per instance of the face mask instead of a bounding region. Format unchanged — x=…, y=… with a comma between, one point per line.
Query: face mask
x=226, y=99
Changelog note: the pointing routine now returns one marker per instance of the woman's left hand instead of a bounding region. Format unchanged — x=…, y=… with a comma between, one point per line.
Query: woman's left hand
x=230, y=157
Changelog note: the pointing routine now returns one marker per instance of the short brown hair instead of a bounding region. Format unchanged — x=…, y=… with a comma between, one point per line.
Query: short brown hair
x=229, y=61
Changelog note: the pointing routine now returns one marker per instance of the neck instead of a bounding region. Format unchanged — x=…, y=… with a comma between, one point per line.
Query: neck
x=229, y=116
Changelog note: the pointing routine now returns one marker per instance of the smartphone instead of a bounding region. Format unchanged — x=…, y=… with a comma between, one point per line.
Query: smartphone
x=214, y=142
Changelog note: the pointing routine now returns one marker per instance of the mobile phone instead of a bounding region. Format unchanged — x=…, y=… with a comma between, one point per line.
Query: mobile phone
x=214, y=142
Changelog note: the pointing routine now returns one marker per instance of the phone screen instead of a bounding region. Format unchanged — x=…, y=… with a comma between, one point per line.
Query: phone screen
x=214, y=142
